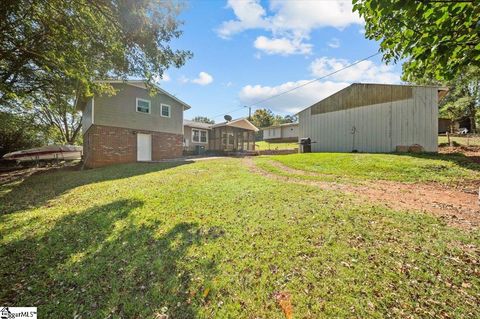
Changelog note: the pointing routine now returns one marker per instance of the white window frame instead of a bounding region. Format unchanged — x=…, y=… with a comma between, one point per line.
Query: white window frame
x=143, y=100
x=169, y=110
x=199, y=136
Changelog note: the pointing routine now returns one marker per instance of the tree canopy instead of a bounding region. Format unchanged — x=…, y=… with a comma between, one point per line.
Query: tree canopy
x=463, y=100
x=264, y=118
x=203, y=119
x=437, y=37
x=18, y=131
x=46, y=41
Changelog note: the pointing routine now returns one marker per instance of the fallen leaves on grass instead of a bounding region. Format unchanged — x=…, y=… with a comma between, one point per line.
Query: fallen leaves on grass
x=284, y=301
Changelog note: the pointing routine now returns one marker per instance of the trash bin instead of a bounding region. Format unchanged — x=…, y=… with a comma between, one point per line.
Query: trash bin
x=199, y=150
x=305, y=145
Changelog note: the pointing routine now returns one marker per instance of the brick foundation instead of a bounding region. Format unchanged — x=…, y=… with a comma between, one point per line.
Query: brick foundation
x=106, y=145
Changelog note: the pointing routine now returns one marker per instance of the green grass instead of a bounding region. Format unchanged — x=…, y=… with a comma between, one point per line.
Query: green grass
x=263, y=145
x=465, y=141
x=394, y=167
x=212, y=240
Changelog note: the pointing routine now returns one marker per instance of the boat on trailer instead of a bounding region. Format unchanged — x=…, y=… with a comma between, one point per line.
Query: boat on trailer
x=52, y=152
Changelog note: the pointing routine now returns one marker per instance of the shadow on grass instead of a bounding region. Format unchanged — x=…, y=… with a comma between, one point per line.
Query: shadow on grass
x=468, y=162
x=99, y=264
x=36, y=190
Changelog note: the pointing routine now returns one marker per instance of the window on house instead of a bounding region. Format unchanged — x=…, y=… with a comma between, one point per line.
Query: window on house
x=143, y=106
x=203, y=136
x=231, y=139
x=165, y=110
x=199, y=136
x=196, y=136
x=224, y=139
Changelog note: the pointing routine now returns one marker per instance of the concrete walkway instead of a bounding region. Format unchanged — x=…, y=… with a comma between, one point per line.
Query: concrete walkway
x=189, y=159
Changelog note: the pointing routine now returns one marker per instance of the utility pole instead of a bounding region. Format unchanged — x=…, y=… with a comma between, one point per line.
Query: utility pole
x=249, y=112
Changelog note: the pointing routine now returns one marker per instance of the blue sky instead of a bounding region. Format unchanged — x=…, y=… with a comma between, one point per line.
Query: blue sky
x=248, y=50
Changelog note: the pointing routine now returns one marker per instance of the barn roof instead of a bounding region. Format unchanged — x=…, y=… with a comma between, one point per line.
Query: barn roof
x=362, y=94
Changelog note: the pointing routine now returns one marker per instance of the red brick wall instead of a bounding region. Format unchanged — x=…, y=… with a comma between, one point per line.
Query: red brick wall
x=106, y=145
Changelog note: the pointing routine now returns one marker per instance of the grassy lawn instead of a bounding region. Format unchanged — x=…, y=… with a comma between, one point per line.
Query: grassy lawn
x=465, y=141
x=212, y=240
x=263, y=145
x=394, y=167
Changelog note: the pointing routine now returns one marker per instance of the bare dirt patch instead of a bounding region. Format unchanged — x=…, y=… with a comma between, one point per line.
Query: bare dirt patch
x=471, y=152
x=459, y=206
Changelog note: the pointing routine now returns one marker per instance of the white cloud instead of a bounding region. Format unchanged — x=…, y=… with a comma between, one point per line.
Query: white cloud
x=290, y=21
x=307, y=15
x=249, y=15
x=203, y=78
x=293, y=101
x=296, y=100
x=365, y=71
x=282, y=46
x=165, y=78
x=334, y=43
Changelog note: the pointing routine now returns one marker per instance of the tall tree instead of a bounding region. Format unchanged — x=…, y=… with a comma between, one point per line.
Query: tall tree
x=203, y=119
x=279, y=119
x=18, y=132
x=438, y=37
x=262, y=118
x=463, y=100
x=45, y=41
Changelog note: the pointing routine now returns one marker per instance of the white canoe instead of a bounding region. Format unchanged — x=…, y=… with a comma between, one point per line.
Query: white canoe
x=61, y=152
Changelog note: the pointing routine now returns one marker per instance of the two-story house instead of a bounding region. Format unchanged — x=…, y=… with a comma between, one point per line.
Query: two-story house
x=131, y=125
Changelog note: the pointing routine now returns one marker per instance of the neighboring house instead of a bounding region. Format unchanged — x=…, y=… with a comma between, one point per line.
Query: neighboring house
x=454, y=126
x=445, y=125
x=195, y=134
x=373, y=118
x=131, y=125
x=287, y=132
x=236, y=136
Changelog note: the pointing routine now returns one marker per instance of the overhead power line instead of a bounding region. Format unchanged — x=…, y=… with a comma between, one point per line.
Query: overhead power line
x=301, y=85
x=314, y=80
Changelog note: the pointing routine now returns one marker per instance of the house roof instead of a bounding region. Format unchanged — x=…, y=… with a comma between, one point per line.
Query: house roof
x=400, y=92
x=281, y=125
x=80, y=104
x=239, y=123
x=194, y=124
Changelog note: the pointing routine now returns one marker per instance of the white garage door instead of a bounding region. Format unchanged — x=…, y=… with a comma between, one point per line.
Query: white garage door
x=144, y=147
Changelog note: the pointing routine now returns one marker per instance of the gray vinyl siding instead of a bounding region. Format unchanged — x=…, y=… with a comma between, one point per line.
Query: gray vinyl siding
x=189, y=143
x=87, y=119
x=379, y=127
x=120, y=111
x=271, y=133
x=290, y=131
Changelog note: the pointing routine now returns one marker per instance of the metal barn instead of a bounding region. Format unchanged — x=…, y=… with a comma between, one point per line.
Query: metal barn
x=373, y=118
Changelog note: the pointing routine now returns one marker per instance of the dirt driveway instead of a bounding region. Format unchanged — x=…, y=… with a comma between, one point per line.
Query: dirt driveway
x=459, y=206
